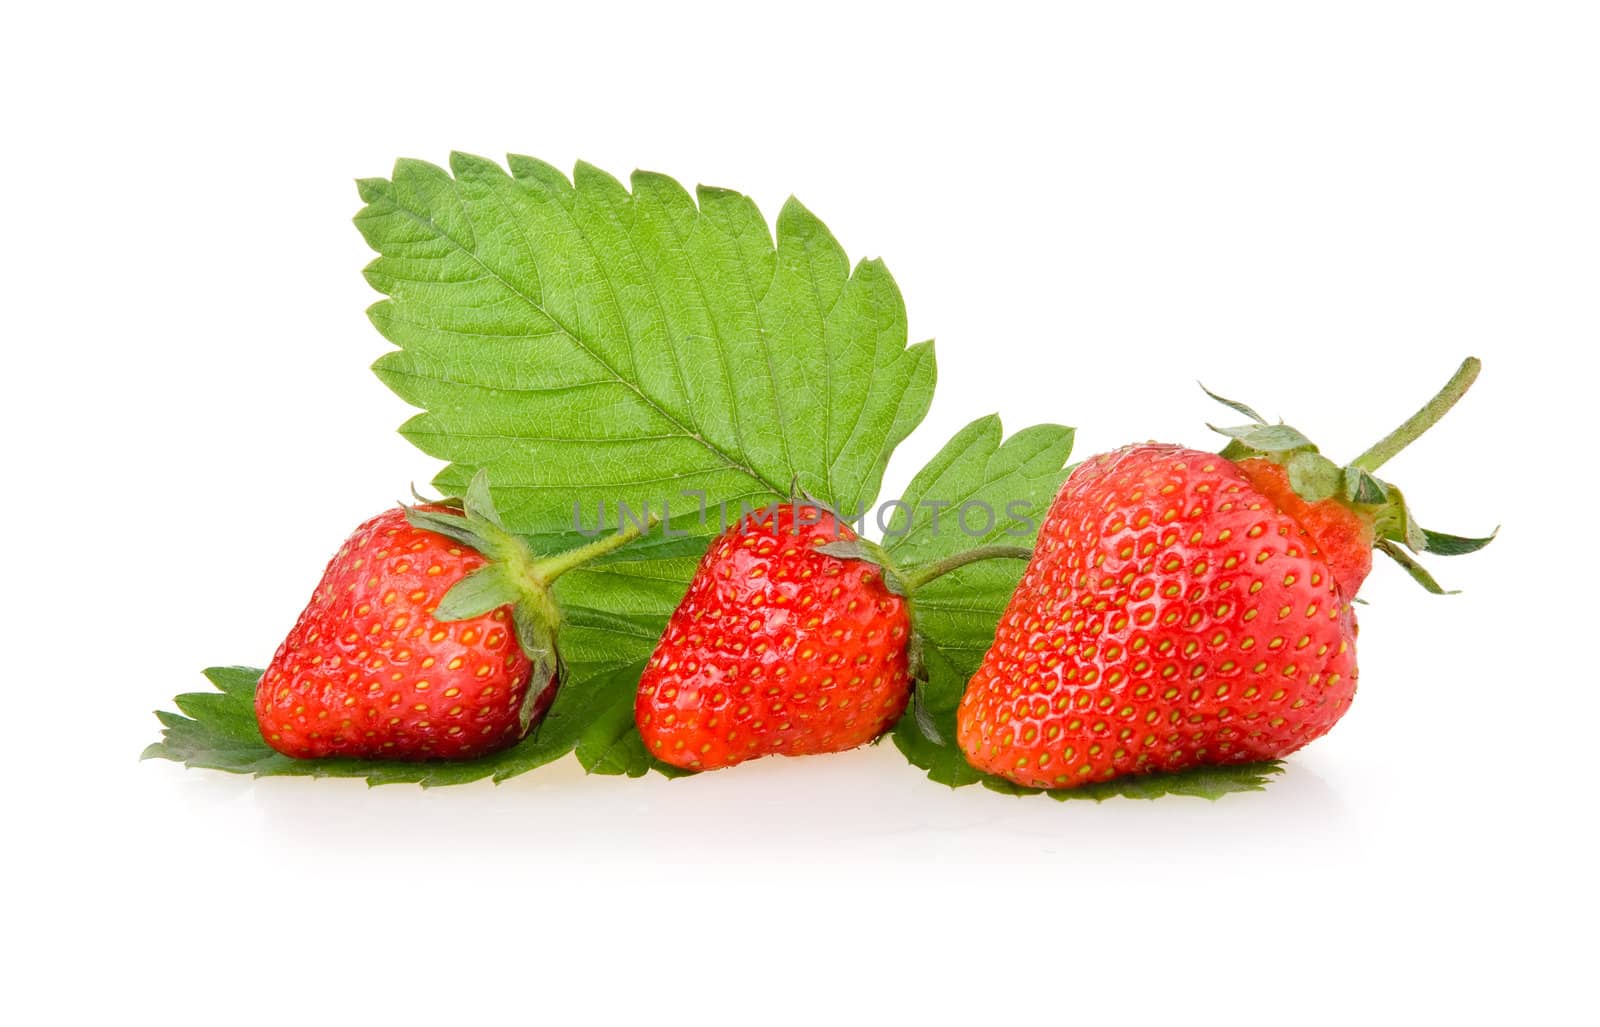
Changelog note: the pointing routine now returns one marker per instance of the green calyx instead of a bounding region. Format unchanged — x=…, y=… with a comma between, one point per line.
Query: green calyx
x=1315, y=478
x=514, y=576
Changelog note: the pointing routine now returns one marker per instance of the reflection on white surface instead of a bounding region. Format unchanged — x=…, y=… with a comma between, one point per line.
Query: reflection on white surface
x=862, y=805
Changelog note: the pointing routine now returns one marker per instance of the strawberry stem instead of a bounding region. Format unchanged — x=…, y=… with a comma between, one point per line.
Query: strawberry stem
x=1386, y=448
x=550, y=568
x=916, y=579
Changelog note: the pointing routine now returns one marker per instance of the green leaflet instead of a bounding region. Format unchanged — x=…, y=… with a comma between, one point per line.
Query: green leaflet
x=1201, y=783
x=586, y=343
x=957, y=614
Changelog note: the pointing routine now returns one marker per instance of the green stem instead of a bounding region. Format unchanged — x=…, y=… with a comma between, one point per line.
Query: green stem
x=1385, y=448
x=922, y=576
x=550, y=568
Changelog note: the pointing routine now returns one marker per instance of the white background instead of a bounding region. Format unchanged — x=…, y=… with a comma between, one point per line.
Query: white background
x=1319, y=209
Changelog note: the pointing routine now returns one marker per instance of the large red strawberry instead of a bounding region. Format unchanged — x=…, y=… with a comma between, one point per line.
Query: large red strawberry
x=1186, y=608
x=795, y=638
x=430, y=636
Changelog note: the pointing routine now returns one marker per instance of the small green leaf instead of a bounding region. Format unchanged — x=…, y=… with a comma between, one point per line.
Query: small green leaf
x=1392, y=519
x=1313, y=476
x=452, y=526
x=449, y=502
x=1362, y=488
x=536, y=637
x=927, y=738
x=915, y=667
x=1266, y=438
x=1454, y=545
x=847, y=549
x=1201, y=783
x=1418, y=573
x=977, y=490
x=478, y=502
x=485, y=589
x=1236, y=451
x=923, y=717
x=1234, y=405
x=1412, y=533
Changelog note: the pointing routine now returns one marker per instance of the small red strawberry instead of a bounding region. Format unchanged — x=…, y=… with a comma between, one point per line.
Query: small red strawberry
x=777, y=648
x=795, y=638
x=1185, y=608
x=430, y=636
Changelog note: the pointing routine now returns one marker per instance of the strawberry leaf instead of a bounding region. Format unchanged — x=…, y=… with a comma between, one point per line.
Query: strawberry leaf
x=1313, y=476
x=589, y=343
x=1233, y=404
x=1454, y=545
x=957, y=614
x=1201, y=782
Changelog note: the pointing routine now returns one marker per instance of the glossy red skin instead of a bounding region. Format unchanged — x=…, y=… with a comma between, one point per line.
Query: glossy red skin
x=776, y=649
x=367, y=672
x=1172, y=615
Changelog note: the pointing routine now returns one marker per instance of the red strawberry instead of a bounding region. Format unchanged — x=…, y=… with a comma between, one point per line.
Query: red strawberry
x=778, y=647
x=1186, y=608
x=367, y=670
x=430, y=636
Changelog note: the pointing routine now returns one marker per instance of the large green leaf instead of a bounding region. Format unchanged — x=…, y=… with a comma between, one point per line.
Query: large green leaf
x=957, y=614
x=588, y=343
x=974, y=492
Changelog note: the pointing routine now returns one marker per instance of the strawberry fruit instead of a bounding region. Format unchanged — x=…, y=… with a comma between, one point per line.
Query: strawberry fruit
x=796, y=637
x=1185, y=608
x=430, y=636
x=778, y=647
